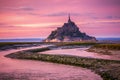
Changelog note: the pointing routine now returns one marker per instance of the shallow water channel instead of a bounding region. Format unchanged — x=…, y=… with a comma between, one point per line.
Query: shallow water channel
x=15, y=69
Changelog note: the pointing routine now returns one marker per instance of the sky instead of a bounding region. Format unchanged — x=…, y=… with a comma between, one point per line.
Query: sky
x=37, y=18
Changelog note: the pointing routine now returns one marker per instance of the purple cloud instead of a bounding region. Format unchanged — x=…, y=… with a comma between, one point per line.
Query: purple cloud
x=62, y=14
x=17, y=8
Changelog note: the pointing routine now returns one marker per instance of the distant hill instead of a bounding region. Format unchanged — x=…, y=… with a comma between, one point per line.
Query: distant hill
x=69, y=32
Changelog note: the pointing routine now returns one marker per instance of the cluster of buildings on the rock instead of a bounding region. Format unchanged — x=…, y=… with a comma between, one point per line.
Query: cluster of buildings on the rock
x=69, y=32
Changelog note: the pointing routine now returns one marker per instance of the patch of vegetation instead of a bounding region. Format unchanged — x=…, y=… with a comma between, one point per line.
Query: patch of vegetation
x=108, y=46
x=99, y=50
x=108, y=69
x=15, y=45
x=107, y=49
x=38, y=50
x=75, y=43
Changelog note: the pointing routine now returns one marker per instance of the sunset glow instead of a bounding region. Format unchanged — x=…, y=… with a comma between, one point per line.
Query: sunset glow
x=37, y=18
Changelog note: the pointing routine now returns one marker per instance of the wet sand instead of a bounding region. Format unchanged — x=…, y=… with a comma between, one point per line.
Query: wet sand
x=14, y=69
x=80, y=52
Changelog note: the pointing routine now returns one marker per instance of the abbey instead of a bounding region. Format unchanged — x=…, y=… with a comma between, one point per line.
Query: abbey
x=69, y=32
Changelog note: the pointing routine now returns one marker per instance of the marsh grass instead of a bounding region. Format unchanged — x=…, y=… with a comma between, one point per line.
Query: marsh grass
x=16, y=43
x=39, y=50
x=108, y=46
x=3, y=44
x=106, y=49
x=75, y=43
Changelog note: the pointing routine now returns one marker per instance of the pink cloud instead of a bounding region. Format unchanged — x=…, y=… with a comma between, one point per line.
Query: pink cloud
x=31, y=18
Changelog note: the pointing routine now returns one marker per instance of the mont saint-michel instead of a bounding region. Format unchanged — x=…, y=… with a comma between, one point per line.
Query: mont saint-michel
x=69, y=32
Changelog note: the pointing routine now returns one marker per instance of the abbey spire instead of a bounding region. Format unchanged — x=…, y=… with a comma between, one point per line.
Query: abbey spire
x=69, y=20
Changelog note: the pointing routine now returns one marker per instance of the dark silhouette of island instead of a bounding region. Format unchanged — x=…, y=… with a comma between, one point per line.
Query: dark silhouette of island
x=69, y=32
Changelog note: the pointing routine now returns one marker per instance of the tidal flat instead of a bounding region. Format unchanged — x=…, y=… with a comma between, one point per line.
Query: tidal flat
x=106, y=68
x=20, y=69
